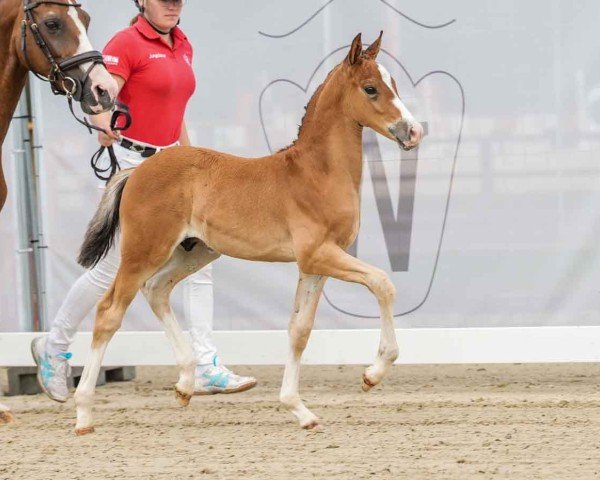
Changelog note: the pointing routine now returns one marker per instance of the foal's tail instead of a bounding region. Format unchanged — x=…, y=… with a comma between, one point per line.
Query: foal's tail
x=101, y=231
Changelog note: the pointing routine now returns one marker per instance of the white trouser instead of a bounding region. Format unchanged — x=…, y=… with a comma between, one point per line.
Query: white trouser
x=87, y=290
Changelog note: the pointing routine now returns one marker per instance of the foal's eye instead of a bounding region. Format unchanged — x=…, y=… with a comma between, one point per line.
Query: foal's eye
x=371, y=91
x=52, y=25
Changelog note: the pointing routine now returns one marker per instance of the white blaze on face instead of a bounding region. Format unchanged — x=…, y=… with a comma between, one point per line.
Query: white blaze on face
x=84, y=41
x=99, y=76
x=387, y=79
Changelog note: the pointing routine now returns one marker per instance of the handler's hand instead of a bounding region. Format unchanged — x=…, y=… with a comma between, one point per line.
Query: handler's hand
x=102, y=120
x=106, y=140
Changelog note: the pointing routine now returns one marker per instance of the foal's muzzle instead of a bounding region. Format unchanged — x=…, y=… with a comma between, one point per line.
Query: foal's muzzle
x=408, y=133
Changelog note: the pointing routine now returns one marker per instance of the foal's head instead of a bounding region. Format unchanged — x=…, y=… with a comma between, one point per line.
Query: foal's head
x=63, y=27
x=373, y=101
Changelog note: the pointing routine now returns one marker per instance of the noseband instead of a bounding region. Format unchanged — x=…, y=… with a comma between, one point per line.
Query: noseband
x=71, y=87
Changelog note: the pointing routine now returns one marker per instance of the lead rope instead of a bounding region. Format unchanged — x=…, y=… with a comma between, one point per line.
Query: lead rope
x=113, y=167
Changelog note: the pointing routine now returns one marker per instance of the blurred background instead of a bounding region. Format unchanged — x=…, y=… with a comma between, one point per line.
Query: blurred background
x=493, y=222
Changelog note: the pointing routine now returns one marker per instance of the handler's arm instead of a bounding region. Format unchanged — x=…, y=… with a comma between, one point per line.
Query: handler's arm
x=184, y=138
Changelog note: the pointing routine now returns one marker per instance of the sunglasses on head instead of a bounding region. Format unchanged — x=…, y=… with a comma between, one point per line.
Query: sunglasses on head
x=177, y=3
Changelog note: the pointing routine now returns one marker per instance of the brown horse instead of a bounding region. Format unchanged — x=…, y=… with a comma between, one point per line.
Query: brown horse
x=61, y=26
x=184, y=207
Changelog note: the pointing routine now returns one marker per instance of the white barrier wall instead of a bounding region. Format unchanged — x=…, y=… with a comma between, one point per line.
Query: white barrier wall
x=492, y=223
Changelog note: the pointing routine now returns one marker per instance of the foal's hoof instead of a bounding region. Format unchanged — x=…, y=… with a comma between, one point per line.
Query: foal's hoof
x=6, y=417
x=313, y=425
x=182, y=398
x=367, y=384
x=80, y=432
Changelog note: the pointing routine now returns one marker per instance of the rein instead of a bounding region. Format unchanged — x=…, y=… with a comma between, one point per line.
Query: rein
x=113, y=167
x=72, y=88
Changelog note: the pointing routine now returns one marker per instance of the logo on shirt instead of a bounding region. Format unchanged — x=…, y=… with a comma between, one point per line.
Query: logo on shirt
x=187, y=59
x=111, y=59
x=153, y=56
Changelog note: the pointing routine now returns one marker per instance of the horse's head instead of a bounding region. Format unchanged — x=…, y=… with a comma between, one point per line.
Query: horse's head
x=373, y=99
x=62, y=26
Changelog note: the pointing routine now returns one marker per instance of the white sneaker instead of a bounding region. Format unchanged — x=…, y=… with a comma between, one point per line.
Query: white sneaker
x=219, y=379
x=53, y=370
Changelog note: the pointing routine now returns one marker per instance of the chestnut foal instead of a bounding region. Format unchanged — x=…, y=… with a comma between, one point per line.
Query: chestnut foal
x=184, y=207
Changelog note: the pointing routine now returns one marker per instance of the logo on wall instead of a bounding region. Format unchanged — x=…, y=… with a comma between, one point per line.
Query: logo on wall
x=405, y=196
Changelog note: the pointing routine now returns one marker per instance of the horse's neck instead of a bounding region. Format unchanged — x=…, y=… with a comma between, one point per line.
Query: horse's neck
x=11, y=86
x=334, y=140
x=12, y=73
x=12, y=77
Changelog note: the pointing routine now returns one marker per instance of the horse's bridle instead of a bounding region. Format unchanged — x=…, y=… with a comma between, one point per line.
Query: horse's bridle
x=71, y=87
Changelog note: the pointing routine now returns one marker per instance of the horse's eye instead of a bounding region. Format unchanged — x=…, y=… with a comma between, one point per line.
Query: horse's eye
x=371, y=91
x=52, y=25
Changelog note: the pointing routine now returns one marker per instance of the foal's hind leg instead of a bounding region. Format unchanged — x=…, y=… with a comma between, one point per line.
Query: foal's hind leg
x=308, y=293
x=110, y=311
x=157, y=291
x=332, y=261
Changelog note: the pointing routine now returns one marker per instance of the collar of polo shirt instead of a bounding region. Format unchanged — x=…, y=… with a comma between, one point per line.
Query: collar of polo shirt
x=144, y=27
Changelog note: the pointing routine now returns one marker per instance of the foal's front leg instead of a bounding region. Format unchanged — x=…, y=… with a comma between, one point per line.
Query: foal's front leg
x=308, y=293
x=334, y=262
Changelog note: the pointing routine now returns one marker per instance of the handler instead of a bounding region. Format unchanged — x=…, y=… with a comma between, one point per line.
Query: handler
x=152, y=63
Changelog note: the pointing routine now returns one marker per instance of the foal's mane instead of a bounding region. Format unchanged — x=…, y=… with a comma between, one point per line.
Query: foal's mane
x=310, y=108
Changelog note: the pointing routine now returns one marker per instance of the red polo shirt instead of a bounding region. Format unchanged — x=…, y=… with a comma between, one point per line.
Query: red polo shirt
x=159, y=81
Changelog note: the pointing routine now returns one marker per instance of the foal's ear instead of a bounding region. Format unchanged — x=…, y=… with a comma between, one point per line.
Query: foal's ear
x=355, y=50
x=373, y=49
